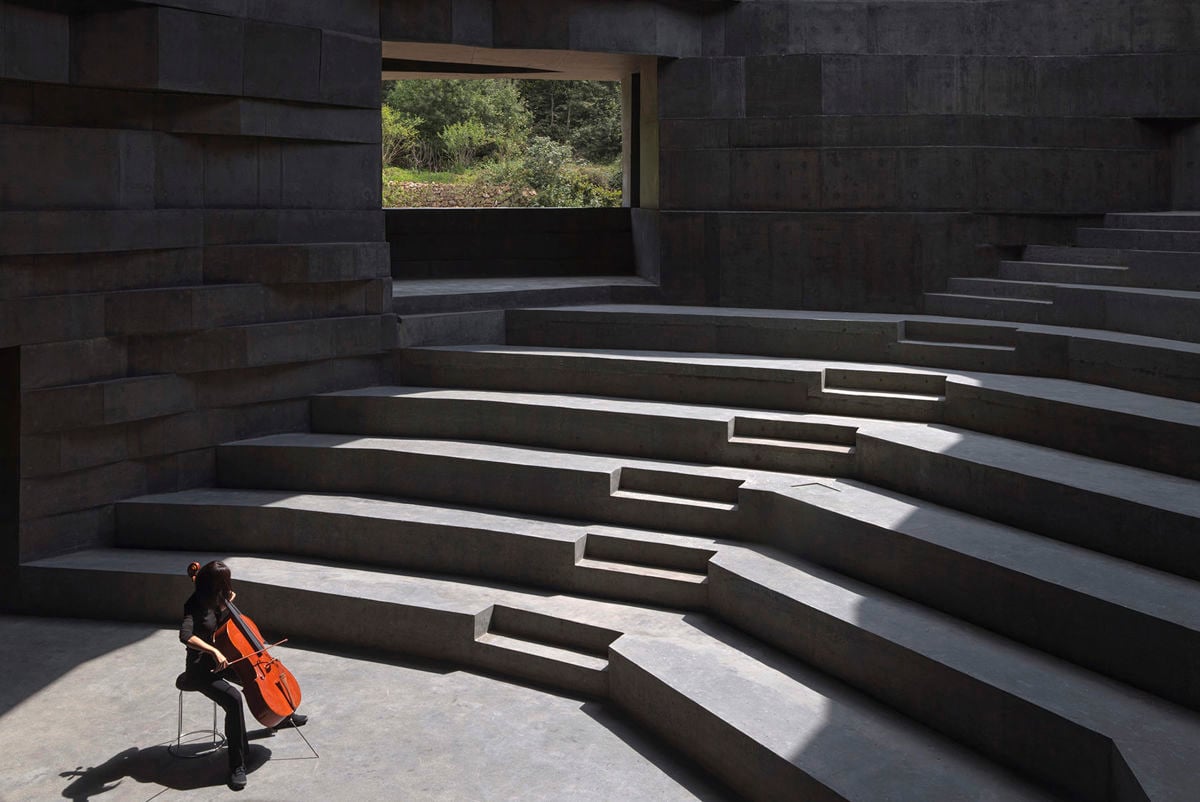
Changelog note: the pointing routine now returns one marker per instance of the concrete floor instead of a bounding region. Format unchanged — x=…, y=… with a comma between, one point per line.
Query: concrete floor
x=87, y=709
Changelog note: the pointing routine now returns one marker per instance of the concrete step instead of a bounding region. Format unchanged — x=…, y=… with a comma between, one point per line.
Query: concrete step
x=1068, y=273
x=1173, y=221
x=1018, y=584
x=1063, y=599
x=1076, y=499
x=927, y=666
x=546, y=649
x=768, y=725
x=1139, y=239
x=1001, y=288
x=388, y=533
x=1142, y=430
x=1115, y=359
x=794, y=385
x=443, y=296
x=987, y=307
x=1064, y=254
x=959, y=333
x=712, y=435
x=682, y=497
x=1149, y=311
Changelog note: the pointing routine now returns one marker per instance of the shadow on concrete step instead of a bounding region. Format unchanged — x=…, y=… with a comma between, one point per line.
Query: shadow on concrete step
x=688, y=775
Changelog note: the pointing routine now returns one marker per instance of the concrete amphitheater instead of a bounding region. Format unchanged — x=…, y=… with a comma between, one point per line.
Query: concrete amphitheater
x=854, y=458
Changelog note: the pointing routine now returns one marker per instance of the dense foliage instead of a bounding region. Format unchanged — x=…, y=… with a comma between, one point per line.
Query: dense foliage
x=502, y=143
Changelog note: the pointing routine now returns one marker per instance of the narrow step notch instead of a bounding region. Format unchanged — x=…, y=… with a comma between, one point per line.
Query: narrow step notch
x=716, y=492
x=646, y=571
x=794, y=434
x=958, y=334
x=931, y=386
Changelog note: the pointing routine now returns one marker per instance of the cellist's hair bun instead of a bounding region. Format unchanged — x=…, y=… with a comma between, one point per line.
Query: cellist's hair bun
x=193, y=569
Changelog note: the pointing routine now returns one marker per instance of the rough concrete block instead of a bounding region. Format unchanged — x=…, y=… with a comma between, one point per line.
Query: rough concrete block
x=937, y=178
x=75, y=451
x=684, y=88
x=36, y=44
x=199, y=52
x=679, y=33
x=59, y=168
x=116, y=48
x=51, y=319
x=417, y=21
x=16, y=103
x=1009, y=85
x=1017, y=28
x=178, y=172
x=832, y=28
x=935, y=84
x=760, y=29
x=345, y=60
x=282, y=382
x=329, y=176
x=531, y=23
x=48, y=536
x=612, y=27
x=1164, y=27
x=350, y=16
x=862, y=85
x=270, y=174
x=282, y=61
x=697, y=134
x=81, y=490
x=745, y=258
x=860, y=178
x=73, y=362
x=1097, y=26
x=64, y=274
x=90, y=231
x=1020, y=178
x=927, y=28
x=727, y=88
x=783, y=86
x=181, y=471
x=698, y=179
x=776, y=179
x=230, y=173
x=297, y=264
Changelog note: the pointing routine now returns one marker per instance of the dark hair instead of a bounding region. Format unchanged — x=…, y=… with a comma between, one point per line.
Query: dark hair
x=213, y=585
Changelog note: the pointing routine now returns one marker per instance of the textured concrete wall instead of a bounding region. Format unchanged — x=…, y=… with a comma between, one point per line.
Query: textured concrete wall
x=651, y=27
x=854, y=154
x=482, y=243
x=190, y=237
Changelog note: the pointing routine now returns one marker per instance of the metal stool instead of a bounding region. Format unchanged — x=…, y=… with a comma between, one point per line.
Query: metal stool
x=215, y=740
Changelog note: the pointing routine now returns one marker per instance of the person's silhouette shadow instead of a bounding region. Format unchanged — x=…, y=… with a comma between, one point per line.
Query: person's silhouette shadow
x=158, y=766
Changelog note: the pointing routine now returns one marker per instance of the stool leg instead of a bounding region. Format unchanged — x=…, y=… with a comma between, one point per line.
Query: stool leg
x=214, y=729
x=179, y=731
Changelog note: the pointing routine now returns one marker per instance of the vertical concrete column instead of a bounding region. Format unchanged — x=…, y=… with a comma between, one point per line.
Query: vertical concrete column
x=10, y=468
x=1185, y=168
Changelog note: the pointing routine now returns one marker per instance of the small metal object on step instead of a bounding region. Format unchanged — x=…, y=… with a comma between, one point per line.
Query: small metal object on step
x=215, y=740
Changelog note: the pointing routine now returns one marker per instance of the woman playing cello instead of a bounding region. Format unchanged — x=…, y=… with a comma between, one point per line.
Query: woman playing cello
x=206, y=670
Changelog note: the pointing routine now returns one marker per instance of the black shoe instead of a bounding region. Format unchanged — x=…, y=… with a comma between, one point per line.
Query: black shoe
x=237, y=778
x=294, y=720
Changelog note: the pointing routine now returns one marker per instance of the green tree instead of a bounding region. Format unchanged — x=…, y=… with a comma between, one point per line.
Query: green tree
x=495, y=104
x=400, y=137
x=583, y=114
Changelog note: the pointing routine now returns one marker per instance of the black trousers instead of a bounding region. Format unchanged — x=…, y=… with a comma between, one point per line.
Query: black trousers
x=229, y=699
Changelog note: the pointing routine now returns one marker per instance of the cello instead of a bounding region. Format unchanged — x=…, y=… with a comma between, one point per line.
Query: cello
x=271, y=692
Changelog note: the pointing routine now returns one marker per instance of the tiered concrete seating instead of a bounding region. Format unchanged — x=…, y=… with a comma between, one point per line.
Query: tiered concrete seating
x=770, y=538
x=1139, y=274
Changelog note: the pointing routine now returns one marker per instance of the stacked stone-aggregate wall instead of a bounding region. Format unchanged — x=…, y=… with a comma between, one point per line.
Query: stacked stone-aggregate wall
x=190, y=238
x=846, y=155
